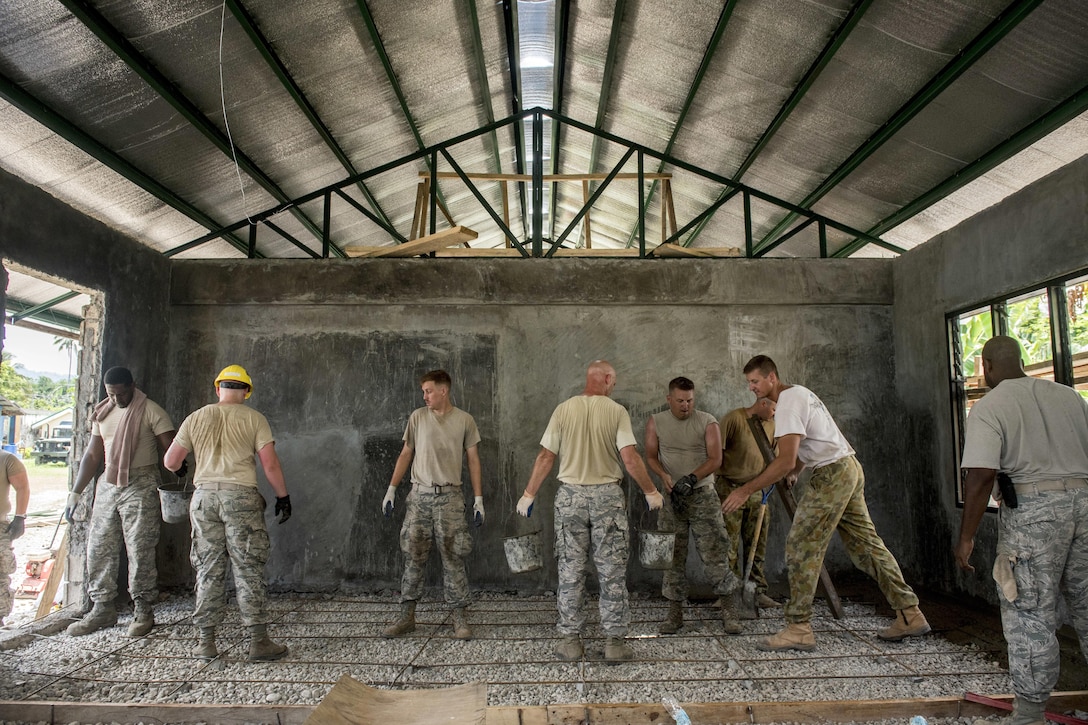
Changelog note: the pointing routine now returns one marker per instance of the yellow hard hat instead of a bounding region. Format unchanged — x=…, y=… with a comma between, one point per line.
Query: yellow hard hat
x=236, y=374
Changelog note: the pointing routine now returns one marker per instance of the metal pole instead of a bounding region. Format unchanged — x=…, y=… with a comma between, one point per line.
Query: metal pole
x=538, y=184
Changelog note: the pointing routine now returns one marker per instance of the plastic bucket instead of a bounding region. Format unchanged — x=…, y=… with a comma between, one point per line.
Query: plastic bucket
x=524, y=552
x=174, y=501
x=655, y=548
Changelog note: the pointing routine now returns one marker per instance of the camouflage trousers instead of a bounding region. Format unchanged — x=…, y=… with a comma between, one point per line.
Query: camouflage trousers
x=698, y=517
x=835, y=500
x=131, y=513
x=7, y=568
x=1046, y=538
x=228, y=525
x=740, y=526
x=435, y=517
x=592, y=520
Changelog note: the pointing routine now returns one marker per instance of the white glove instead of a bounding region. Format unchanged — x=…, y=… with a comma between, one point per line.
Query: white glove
x=387, y=502
x=655, y=500
x=525, y=505
x=70, y=506
x=478, y=508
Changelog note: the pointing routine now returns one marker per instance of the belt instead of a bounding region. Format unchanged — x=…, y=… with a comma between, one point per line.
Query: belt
x=434, y=488
x=1063, y=484
x=222, y=486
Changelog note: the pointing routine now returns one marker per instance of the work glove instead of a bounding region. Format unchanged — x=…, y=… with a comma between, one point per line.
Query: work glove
x=283, y=508
x=655, y=500
x=70, y=506
x=525, y=505
x=180, y=473
x=16, y=527
x=685, y=485
x=478, y=510
x=387, y=502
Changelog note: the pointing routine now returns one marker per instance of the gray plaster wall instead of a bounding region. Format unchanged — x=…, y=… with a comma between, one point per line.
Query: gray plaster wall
x=1033, y=236
x=336, y=348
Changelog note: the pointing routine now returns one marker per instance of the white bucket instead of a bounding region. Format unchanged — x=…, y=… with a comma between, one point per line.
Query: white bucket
x=174, y=501
x=524, y=552
x=655, y=548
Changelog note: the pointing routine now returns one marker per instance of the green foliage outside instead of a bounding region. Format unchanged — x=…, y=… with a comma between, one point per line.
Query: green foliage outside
x=40, y=394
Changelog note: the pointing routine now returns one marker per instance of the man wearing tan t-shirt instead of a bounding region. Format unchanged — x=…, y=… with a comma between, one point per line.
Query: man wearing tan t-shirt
x=434, y=440
x=227, y=510
x=127, y=432
x=12, y=478
x=591, y=434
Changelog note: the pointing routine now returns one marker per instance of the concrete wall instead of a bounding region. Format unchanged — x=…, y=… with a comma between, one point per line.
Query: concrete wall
x=336, y=348
x=1035, y=235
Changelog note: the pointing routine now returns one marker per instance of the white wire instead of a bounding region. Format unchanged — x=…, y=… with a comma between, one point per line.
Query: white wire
x=223, y=102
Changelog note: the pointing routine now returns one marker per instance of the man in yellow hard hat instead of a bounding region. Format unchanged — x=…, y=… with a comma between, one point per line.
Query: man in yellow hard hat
x=227, y=510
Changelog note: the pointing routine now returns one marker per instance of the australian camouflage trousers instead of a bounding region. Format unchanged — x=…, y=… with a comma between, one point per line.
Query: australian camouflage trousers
x=1045, y=542
x=228, y=525
x=834, y=500
x=131, y=513
x=591, y=521
x=435, y=518
x=740, y=526
x=698, y=517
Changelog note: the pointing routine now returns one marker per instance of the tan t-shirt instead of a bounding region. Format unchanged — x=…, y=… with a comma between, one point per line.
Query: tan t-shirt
x=438, y=442
x=225, y=438
x=681, y=444
x=741, y=459
x=10, y=465
x=587, y=432
x=155, y=423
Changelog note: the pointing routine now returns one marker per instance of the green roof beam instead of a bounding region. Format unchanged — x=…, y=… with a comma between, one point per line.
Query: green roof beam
x=559, y=66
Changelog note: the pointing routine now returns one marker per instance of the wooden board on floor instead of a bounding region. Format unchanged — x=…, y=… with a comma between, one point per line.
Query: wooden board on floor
x=675, y=250
x=350, y=702
x=49, y=591
x=423, y=245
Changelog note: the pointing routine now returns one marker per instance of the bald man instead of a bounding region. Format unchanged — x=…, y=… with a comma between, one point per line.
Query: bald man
x=591, y=434
x=1036, y=432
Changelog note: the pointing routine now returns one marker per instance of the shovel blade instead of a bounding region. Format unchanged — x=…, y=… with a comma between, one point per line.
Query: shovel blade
x=746, y=602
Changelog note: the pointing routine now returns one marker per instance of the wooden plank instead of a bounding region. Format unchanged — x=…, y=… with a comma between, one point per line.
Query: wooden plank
x=420, y=199
x=478, y=252
x=148, y=713
x=675, y=250
x=423, y=245
x=596, y=252
x=672, y=206
x=547, y=177
x=585, y=219
x=49, y=591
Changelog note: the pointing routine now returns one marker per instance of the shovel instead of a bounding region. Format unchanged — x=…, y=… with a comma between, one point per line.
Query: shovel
x=749, y=608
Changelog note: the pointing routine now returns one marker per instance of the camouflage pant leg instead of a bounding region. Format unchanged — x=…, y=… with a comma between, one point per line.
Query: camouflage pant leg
x=7, y=568
x=436, y=518
x=740, y=527
x=1046, y=536
x=229, y=525
x=141, y=515
x=712, y=540
x=592, y=520
x=674, y=581
x=104, y=543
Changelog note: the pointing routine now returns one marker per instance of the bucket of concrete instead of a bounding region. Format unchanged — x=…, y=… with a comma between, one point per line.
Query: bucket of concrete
x=174, y=500
x=655, y=548
x=524, y=552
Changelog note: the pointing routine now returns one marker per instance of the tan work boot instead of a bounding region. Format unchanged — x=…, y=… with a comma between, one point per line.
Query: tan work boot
x=205, y=646
x=796, y=635
x=909, y=622
x=675, y=619
x=405, y=623
x=765, y=602
x=104, y=614
x=461, y=630
x=570, y=648
x=729, y=616
x=261, y=648
x=616, y=650
x=143, y=618
x=1024, y=712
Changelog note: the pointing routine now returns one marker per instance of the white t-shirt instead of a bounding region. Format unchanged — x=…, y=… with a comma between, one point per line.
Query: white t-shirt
x=587, y=432
x=799, y=411
x=1034, y=430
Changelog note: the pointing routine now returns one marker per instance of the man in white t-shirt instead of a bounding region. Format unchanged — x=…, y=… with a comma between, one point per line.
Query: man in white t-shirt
x=591, y=434
x=807, y=437
x=436, y=440
x=1036, y=432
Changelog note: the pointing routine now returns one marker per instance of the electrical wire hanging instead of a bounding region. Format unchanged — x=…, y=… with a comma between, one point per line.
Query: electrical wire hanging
x=226, y=124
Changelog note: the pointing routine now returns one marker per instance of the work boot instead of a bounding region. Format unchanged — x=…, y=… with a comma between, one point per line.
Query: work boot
x=261, y=648
x=570, y=648
x=909, y=622
x=461, y=630
x=729, y=616
x=205, y=647
x=796, y=635
x=143, y=618
x=1024, y=712
x=405, y=623
x=675, y=619
x=104, y=614
x=616, y=650
x=765, y=602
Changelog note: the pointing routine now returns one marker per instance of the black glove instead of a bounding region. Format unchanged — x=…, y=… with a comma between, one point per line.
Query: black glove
x=16, y=527
x=685, y=485
x=283, y=508
x=180, y=473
